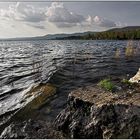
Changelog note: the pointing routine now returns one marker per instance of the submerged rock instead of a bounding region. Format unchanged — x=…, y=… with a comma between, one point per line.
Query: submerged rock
x=40, y=95
x=136, y=78
x=94, y=113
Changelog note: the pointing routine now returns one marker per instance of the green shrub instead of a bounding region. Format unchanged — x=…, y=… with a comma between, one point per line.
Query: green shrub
x=125, y=81
x=107, y=84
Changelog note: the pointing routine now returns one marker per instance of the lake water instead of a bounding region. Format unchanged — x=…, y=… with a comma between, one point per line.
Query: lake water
x=67, y=64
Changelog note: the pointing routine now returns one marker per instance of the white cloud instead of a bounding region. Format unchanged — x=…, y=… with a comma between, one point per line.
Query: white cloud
x=62, y=17
x=102, y=22
x=120, y=24
x=39, y=26
x=56, y=14
x=23, y=12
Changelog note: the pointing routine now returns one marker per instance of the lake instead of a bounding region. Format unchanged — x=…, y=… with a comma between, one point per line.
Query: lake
x=68, y=64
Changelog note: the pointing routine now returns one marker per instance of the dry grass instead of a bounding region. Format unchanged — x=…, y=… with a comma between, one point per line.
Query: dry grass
x=117, y=53
x=130, y=50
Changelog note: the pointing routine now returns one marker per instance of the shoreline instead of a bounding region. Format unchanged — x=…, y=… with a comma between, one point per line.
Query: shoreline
x=82, y=99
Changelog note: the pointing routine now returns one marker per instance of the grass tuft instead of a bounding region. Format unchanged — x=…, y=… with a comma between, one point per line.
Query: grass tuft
x=125, y=81
x=107, y=84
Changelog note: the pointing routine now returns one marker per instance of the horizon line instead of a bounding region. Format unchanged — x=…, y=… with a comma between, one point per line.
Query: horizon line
x=67, y=33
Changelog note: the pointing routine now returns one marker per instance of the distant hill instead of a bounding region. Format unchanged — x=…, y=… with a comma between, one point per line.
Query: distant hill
x=51, y=36
x=129, y=32
x=128, y=28
x=57, y=36
x=125, y=33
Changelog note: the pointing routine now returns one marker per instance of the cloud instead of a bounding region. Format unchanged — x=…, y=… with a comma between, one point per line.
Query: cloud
x=56, y=14
x=62, y=17
x=119, y=24
x=102, y=22
x=23, y=12
x=36, y=25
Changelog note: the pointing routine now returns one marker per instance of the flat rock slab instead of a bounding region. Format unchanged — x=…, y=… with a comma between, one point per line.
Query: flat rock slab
x=95, y=113
x=99, y=96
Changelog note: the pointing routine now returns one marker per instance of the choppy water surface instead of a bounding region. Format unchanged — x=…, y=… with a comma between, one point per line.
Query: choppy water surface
x=67, y=64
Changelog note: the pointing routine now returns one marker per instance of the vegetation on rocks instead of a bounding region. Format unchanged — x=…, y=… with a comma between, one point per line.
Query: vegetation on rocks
x=107, y=84
x=125, y=81
x=109, y=115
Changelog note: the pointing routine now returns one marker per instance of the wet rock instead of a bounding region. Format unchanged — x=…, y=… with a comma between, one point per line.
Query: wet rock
x=11, y=133
x=93, y=113
x=40, y=95
x=33, y=99
x=30, y=130
x=136, y=78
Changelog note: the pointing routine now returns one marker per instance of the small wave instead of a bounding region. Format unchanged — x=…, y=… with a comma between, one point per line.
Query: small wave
x=67, y=64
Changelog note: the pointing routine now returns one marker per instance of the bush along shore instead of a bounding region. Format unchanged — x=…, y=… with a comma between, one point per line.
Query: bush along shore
x=109, y=109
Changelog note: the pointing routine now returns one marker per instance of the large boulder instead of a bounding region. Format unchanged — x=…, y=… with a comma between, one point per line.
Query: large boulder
x=94, y=113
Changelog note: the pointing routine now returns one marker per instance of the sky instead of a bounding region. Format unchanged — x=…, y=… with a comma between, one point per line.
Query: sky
x=26, y=19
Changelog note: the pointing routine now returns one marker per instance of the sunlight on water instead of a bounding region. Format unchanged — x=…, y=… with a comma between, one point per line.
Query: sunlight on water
x=66, y=63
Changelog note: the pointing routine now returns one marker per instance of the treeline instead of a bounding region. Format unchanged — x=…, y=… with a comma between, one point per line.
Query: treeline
x=110, y=35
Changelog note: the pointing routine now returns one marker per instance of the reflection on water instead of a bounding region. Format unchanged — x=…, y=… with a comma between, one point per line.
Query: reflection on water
x=67, y=64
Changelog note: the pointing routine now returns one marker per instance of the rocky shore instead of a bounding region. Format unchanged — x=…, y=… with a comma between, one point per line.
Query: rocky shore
x=13, y=123
x=31, y=129
x=91, y=112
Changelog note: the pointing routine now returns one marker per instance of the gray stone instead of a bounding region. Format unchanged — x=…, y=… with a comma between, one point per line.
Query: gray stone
x=136, y=78
x=87, y=116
